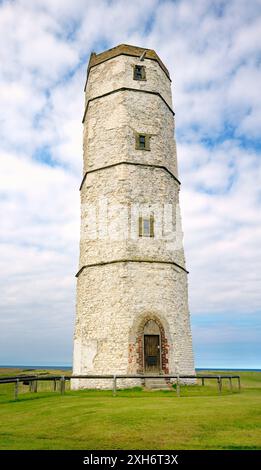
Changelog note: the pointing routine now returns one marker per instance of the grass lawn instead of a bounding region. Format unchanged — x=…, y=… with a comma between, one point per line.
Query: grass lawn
x=134, y=419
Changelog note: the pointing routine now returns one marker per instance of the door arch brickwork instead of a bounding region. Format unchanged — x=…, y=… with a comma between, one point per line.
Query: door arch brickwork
x=136, y=346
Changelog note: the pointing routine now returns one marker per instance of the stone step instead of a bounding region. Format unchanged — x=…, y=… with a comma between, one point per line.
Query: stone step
x=156, y=384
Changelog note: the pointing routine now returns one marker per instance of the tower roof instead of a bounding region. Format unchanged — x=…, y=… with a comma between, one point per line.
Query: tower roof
x=125, y=49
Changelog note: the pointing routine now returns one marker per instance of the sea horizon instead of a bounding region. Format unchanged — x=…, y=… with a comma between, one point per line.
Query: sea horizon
x=68, y=367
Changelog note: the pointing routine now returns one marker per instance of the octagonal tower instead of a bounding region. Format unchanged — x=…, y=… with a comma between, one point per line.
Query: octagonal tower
x=132, y=302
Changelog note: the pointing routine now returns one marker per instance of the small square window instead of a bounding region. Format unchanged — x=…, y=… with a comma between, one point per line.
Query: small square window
x=142, y=142
x=146, y=226
x=139, y=72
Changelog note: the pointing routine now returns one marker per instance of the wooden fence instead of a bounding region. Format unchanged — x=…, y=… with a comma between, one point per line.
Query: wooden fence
x=32, y=380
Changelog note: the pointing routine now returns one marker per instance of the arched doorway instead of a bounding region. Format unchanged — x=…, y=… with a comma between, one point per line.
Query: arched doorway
x=152, y=347
x=142, y=351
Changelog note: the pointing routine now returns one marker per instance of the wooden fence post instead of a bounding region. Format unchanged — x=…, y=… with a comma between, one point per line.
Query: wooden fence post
x=35, y=386
x=16, y=389
x=54, y=385
x=178, y=386
x=239, y=384
x=220, y=384
x=114, y=385
x=230, y=384
x=203, y=381
x=62, y=385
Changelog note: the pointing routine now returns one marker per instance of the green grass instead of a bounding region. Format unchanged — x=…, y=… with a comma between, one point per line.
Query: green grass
x=134, y=419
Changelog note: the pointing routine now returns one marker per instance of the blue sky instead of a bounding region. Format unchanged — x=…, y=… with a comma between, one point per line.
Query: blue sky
x=211, y=50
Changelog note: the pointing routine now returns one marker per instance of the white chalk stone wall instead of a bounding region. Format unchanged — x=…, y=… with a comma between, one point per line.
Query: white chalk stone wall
x=128, y=190
x=118, y=73
x=125, y=280
x=108, y=141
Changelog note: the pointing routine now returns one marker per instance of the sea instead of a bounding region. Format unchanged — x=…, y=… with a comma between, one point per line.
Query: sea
x=27, y=367
x=69, y=367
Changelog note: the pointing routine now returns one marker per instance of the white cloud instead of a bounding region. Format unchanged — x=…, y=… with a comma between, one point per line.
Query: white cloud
x=210, y=48
x=221, y=207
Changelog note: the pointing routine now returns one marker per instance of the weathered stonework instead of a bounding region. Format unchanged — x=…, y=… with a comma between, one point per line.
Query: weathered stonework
x=127, y=112
x=126, y=282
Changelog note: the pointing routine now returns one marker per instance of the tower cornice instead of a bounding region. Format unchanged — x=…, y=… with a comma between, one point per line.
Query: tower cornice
x=127, y=50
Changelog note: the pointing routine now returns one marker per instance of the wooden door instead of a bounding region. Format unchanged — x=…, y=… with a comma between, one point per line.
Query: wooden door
x=152, y=353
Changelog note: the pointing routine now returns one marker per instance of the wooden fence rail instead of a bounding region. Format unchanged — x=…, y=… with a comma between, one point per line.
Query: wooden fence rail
x=32, y=380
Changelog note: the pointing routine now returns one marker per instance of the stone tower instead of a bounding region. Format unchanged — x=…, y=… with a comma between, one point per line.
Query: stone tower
x=132, y=302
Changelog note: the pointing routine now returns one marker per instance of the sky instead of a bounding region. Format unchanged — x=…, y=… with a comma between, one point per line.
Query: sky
x=211, y=48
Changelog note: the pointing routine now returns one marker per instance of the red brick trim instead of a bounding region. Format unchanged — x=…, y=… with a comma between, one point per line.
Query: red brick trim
x=136, y=350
